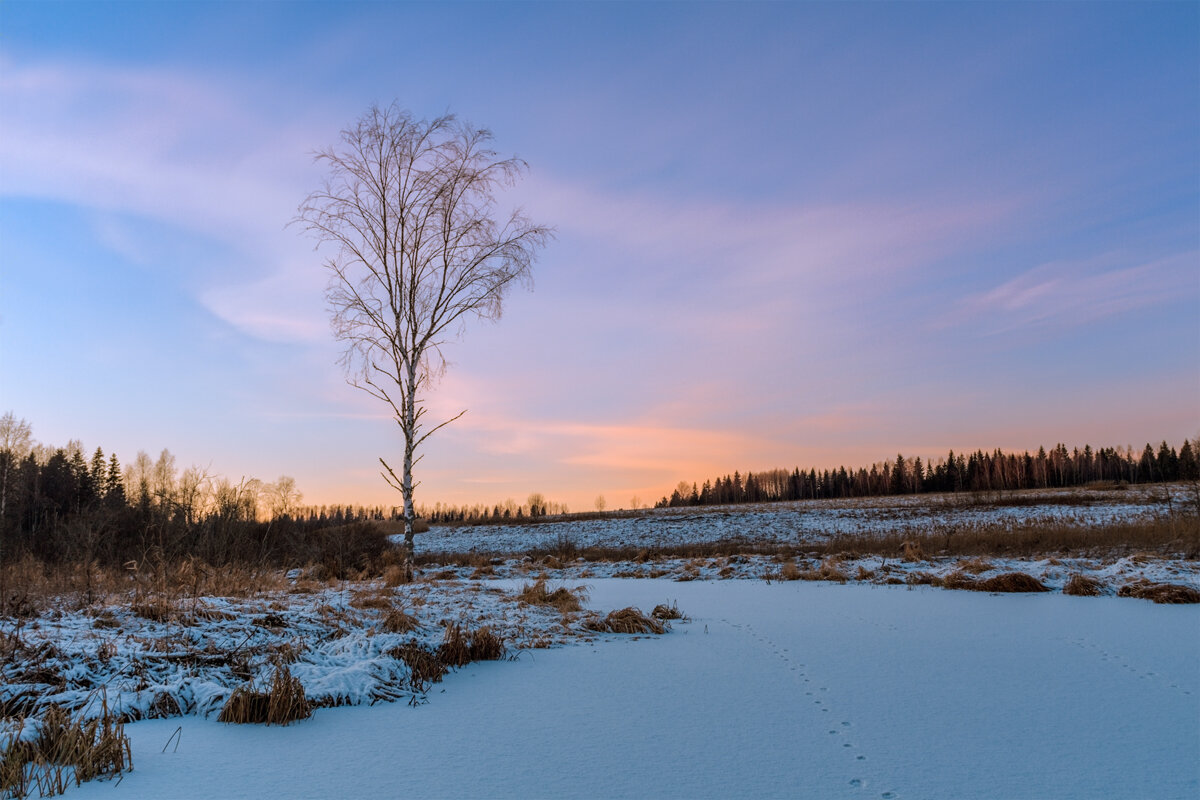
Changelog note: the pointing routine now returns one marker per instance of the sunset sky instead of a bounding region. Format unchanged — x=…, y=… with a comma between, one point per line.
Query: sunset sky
x=787, y=234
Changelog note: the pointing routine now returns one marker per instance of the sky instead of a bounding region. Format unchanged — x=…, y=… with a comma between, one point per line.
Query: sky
x=787, y=234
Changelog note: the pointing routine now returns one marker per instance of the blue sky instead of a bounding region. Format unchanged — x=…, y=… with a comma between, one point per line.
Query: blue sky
x=788, y=234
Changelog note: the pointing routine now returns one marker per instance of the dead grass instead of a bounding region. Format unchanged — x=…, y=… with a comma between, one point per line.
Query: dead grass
x=626, y=620
x=376, y=600
x=398, y=621
x=66, y=750
x=282, y=704
x=424, y=666
x=911, y=551
x=394, y=575
x=1005, y=582
x=562, y=598
x=974, y=566
x=1083, y=586
x=460, y=647
x=1159, y=592
x=665, y=612
x=829, y=570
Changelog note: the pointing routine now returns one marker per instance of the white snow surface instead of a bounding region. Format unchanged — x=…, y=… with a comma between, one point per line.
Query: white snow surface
x=802, y=521
x=792, y=689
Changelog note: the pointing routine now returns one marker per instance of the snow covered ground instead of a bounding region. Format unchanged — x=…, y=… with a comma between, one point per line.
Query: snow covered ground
x=771, y=690
x=802, y=521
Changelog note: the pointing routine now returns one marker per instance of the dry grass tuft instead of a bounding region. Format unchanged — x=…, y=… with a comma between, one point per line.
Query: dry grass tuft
x=1083, y=586
x=66, y=749
x=626, y=620
x=398, y=621
x=378, y=600
x=829, y=570
x=1159, y=592
x=486, y=646
x=394, y=575
x=461, y=647
x=911, y=550
x=1012, y=582
x=789, y=572
x=959, y=580
x=974, y=566
x=155, y=609
x=455, y=650
x=1006, y=582
x=424, y=666
x=662, y=611
x=282, y=704
x=483, y=572
x=562, y=598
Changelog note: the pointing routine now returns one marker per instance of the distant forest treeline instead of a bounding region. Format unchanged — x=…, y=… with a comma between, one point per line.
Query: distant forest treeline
x=58, y=505
x=979, y=471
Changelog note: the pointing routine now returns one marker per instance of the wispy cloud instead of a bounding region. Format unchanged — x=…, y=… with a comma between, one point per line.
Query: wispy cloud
x=1067, y=294
x=191, y=153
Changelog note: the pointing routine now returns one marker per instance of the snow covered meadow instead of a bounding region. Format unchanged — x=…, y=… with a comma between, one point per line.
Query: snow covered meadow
x=806, y=521
x=795, y=672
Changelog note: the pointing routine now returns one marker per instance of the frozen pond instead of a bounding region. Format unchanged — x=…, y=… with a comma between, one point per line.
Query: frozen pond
x=781, y=690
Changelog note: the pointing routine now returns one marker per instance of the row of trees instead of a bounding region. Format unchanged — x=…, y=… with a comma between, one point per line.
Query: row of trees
x=60, y=505
x=979, y=471
x=535, y=506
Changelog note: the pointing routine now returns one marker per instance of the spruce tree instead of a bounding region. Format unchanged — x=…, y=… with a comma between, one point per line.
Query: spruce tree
x=1189, y=469
x=114, y=486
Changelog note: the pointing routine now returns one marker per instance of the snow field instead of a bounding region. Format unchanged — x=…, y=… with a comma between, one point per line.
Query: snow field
x=797, y=522
x=771, y=690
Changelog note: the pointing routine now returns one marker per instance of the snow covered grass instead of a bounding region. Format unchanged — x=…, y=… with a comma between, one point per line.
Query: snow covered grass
x=813, y=521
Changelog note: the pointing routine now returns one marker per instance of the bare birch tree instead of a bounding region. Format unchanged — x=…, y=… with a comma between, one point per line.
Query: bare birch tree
x=409, y=213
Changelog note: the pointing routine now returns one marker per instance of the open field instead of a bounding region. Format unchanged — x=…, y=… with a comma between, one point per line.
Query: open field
x=813, y=522
x=852, y=618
